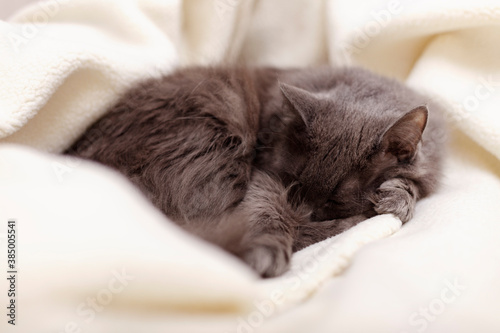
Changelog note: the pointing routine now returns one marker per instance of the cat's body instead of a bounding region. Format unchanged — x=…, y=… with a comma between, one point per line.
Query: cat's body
x=265, y=161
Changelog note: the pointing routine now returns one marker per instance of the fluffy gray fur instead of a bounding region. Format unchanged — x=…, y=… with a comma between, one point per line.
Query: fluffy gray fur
x=265, y=161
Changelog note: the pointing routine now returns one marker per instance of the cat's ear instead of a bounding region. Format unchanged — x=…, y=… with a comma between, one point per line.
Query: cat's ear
x=301, y=101
x=401, y=140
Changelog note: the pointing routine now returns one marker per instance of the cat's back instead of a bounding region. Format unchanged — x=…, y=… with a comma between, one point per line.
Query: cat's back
x=221, y=97
x=228, y=93
x=184, y=139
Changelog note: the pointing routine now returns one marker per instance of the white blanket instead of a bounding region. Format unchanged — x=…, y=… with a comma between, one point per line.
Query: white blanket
x=94, y=256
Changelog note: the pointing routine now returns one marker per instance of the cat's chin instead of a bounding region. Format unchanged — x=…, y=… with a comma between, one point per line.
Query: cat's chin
x=323, y=215
x=320, y=216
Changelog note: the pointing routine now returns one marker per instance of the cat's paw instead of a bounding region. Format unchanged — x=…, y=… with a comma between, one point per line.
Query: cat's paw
x=395, y=196
x=268, y=260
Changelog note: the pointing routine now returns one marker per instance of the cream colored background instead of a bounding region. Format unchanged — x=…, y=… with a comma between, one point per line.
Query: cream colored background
x=8, y=7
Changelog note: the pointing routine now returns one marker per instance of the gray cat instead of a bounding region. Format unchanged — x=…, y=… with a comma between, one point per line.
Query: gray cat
x=265, y=161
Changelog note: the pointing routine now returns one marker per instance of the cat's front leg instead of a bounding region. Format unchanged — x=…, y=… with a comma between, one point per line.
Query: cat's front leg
x=396, y=196
x=271, y=225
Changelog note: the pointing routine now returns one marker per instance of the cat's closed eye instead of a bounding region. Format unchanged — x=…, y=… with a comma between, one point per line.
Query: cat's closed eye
x=333, y=202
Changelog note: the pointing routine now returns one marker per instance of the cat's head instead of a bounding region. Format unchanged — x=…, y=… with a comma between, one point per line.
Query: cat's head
x=347, y=136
